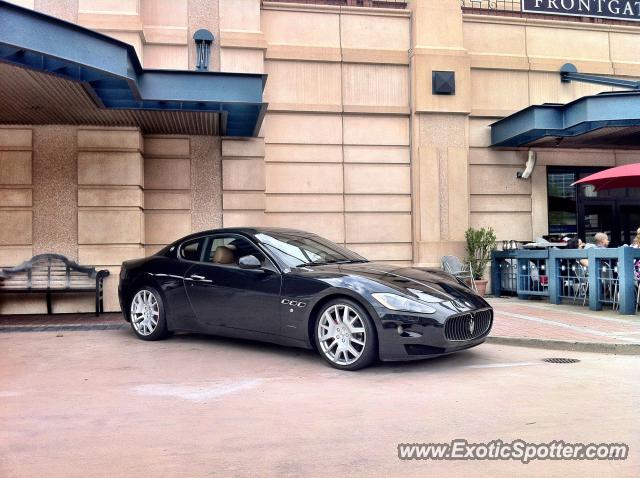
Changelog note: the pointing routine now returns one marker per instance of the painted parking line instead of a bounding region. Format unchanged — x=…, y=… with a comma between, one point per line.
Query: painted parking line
x=201, y=393
x=586, y=330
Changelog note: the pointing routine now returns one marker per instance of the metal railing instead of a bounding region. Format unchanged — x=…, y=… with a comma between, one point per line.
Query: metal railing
x=505, y=267
x=525, y=269
x=610, y=276
x=495, y=5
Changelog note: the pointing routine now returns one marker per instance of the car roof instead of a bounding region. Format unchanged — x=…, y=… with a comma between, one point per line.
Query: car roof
x=250, y=231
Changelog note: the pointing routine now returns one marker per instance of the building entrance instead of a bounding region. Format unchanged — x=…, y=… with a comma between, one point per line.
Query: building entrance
x=585, y=211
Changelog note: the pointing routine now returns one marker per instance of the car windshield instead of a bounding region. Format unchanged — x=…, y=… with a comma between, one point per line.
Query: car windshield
x=296, y=250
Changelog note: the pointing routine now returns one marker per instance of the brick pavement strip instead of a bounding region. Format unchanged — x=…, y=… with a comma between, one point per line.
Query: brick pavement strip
x=61, y=322
x=544, y=324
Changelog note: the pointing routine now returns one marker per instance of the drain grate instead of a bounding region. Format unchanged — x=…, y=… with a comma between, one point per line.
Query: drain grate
x=560, y=360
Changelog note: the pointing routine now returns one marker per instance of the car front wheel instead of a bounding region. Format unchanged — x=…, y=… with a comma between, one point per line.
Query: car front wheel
x=146, y=312
x=345, y=335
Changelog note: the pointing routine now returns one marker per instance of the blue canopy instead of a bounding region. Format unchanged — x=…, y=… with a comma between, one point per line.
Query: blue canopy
x=109, y=71
x=606, y=120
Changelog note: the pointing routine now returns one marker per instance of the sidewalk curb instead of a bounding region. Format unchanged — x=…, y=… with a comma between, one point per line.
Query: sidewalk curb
x=597, y=347
x=61, y=327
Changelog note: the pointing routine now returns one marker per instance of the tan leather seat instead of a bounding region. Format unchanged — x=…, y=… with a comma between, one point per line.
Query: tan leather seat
x=223, y=255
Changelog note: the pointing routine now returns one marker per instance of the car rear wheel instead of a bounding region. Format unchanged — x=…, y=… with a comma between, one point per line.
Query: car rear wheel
x=146, y=312
x=345, y=335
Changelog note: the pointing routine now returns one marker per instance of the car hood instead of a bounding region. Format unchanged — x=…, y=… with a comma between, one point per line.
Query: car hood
x=433, y=285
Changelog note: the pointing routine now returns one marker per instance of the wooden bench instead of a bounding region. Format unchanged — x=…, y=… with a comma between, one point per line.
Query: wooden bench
x=53, y=273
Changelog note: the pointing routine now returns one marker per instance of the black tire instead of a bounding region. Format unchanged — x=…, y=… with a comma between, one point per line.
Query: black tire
x=368, y=353
x=160, y=331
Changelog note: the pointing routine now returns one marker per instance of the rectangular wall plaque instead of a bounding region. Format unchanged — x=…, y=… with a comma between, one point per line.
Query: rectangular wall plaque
x=615, y=9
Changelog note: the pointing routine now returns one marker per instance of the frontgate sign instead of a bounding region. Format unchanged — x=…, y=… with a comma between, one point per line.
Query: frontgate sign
x=615, y=9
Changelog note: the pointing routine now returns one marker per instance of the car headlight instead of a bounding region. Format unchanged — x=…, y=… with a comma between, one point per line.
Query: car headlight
x=398, y=302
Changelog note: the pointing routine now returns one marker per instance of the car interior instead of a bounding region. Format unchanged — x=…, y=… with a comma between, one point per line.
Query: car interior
x=228, y=250
x=224, y=251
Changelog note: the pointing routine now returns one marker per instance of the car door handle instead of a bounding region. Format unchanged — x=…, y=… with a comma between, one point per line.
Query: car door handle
x=198, y=278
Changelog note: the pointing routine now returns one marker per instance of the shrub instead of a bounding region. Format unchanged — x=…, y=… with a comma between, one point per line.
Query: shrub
x=480, y=243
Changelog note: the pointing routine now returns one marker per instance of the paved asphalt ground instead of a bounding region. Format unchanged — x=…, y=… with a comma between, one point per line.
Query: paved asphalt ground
x=102, y=403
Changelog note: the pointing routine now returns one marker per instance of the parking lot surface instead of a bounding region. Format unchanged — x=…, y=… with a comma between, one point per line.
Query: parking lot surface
x=102, y=403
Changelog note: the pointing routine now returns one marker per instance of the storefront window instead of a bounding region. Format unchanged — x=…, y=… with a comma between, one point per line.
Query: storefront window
x=585, y=211
x=562, y=202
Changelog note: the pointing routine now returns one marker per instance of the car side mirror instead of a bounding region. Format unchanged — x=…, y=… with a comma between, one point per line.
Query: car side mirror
x=249, y=262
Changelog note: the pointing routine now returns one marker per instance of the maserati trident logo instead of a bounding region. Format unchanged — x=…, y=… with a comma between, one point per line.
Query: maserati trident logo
x=472, y=326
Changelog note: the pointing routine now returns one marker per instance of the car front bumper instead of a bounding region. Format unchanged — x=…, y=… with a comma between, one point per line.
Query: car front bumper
x=413, y=337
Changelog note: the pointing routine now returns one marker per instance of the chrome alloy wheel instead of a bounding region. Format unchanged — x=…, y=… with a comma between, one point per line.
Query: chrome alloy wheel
x=341, y=334
x=145, y=312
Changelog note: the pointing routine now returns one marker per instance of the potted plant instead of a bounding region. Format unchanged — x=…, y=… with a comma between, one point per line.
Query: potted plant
x=480, y=243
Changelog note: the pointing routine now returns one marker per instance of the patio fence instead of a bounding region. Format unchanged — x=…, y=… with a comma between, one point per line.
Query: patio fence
x=608, y=279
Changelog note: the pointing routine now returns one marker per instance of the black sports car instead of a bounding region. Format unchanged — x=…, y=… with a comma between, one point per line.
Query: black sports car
x=296, y=288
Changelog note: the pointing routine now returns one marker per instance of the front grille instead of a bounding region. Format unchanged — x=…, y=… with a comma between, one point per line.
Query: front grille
x=468, y=326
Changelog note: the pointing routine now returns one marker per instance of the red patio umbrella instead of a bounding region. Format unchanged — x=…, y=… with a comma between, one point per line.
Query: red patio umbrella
x=627, y=176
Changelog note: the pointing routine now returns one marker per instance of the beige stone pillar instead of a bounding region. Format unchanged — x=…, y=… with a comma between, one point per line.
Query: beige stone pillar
x=110, y=201
x=206, y=183
x=121, y=19
x=440, y=150
x=55, y=193
x=539, y=202
x=167, y=190
x=182, y=187
x=166, y=34
x=242, y=47
x=16, y=192
x=242, y=42
x=243, y=182
x=16, y=211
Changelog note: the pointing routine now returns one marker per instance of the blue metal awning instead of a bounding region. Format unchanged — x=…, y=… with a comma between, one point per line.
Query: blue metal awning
x=607, y=120
x=110, y=73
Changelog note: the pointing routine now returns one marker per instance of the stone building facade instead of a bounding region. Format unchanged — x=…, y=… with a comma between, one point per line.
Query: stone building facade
x=354, y=145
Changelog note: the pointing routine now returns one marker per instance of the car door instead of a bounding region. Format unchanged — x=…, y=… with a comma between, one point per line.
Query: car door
x=225, y=295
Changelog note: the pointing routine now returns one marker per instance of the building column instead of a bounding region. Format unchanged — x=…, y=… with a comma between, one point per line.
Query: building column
x=167, y=190
x=110, y=201
x=440, y=178
x=55, y=185
x=16, y=204
x=242, y=42
x=243, y=182
x=242, y=47
x=182, y=192
x=16, y=192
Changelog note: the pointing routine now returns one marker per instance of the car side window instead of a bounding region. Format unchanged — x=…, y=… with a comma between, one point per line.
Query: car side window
x=226, y=250
x=192, y=250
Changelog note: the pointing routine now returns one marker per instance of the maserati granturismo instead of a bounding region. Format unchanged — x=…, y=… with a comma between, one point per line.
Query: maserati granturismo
x=297, y=289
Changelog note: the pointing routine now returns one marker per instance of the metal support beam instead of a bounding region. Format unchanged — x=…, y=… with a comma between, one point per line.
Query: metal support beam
x=569, y=73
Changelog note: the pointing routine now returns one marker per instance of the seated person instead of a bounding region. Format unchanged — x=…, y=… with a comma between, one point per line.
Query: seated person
x=224, y=255
x=602, y=240
x=576, y=243
x=227, y=251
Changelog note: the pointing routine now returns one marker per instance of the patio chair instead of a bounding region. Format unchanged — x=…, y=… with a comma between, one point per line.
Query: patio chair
x=454, y=266
x=609, y=282
x=581, y=286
